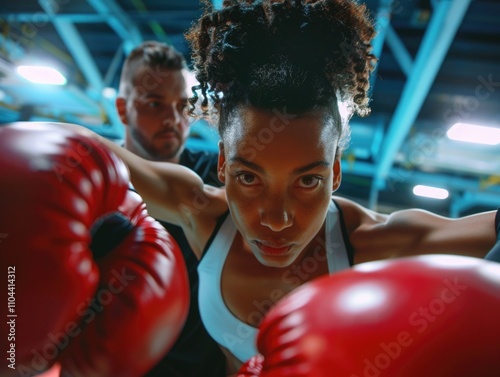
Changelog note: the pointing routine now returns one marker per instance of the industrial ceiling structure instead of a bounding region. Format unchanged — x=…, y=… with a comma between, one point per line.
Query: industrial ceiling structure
x=439, y=64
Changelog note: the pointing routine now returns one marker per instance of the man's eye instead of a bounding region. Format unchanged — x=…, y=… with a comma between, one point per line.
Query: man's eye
x=309, y=181
x=154, y=104
x=247, y=179
x=184, y=109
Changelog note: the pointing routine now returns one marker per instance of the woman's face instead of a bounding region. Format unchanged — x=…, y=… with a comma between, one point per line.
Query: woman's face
x=279, y=170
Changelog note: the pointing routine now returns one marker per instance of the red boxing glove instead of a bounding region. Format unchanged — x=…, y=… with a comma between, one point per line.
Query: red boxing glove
x=426, y=316
x=111, y=313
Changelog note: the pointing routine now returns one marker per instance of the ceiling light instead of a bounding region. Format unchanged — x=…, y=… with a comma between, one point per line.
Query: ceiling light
x=109, y=93
x=430, y=192
x=41, y=74
x=472, y=133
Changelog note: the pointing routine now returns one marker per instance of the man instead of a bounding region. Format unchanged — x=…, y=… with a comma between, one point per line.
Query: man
x=152, y=104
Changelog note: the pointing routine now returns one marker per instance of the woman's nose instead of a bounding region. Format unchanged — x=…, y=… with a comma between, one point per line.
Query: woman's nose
x=276, y=214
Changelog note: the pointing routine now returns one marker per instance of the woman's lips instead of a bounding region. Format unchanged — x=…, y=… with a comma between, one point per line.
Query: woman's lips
x=272, y=249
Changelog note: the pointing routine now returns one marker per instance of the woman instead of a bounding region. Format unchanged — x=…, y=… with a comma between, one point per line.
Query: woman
x=284, y=77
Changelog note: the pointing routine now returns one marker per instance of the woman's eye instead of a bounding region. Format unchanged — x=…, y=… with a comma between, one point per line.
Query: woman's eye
x=247, y=179
x=309, y=181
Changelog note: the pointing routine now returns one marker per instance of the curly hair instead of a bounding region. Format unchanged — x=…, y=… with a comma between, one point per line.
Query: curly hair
x=151, y=54
x=302, y=54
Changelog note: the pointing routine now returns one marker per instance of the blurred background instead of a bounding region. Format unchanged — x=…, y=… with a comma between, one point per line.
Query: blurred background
x=432, y=140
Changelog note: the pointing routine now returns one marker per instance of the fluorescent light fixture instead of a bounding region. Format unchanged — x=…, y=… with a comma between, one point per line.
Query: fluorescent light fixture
x=472, y=133
x=109, y=93
x=41, y=74
x=430, y=192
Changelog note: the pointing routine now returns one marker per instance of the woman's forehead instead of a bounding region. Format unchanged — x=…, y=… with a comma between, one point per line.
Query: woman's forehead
x=273, y=132
x=248, y=121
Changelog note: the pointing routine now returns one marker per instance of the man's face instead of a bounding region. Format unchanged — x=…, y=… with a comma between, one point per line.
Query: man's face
x=155, y=114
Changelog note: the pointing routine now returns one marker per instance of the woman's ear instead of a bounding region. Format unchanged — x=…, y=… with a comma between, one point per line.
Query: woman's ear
x=221, y=163
x=337, y=172
x=121, y=108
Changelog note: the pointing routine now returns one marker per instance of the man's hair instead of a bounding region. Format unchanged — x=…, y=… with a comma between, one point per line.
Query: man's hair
x=295, y=54
x=151, y=54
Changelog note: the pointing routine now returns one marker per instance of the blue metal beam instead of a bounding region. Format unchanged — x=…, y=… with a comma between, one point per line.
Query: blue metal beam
x=78, y=49
x=40, y=18
x=382, y=22
x=120, y=22
x=399, y=51
x=115, y=66
x=439, y=35
x=475, y=194
x=180, y=17
x=217, y=4
x=399, y=175
x=12, y=48
x=471, y=199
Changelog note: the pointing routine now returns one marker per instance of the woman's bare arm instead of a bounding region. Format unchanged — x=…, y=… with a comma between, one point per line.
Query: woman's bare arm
x=413, y=232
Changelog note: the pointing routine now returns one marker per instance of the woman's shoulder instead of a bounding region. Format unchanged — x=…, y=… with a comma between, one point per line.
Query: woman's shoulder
x=208, y=207
x=212, y=202
x=356, y=216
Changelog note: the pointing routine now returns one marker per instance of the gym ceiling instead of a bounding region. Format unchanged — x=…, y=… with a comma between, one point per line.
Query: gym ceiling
x=439, y=64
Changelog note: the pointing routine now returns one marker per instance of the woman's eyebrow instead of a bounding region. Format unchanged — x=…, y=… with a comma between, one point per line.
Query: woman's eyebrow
x=298, y=170
x=247, y=163
x=310, y=166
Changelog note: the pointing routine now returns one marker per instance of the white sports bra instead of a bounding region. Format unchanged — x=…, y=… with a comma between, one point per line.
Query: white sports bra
x=228, y=330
